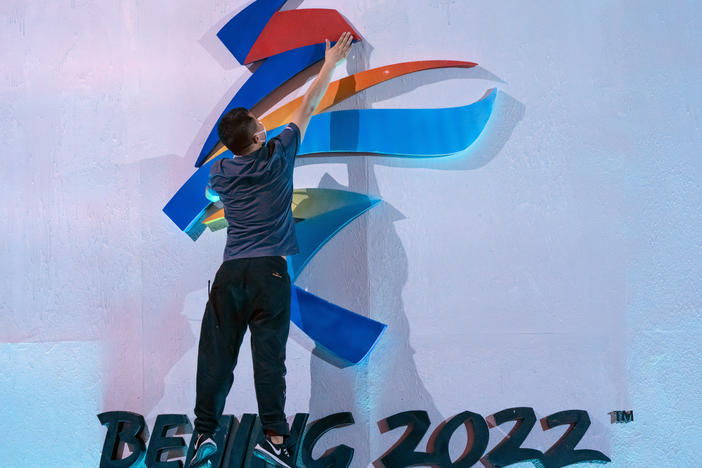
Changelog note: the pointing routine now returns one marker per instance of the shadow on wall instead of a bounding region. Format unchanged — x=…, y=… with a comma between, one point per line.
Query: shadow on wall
x=387, y=382
x=335, y=389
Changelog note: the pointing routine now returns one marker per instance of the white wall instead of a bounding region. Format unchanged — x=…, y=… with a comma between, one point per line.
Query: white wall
x=555, y=264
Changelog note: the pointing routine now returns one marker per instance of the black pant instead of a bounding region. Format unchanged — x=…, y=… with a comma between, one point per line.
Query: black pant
x=253, y=292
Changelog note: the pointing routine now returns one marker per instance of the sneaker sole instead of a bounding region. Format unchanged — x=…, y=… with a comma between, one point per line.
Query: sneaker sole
x=204, y=456
x=260, y=452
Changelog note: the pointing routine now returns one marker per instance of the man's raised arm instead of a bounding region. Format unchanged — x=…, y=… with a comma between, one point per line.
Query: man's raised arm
x=332, y=57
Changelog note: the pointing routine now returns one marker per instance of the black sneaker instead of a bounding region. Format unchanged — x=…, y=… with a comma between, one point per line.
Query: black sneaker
x=205, y=448
x=274, y=453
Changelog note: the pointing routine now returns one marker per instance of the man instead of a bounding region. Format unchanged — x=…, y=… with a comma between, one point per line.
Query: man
x=252, y=286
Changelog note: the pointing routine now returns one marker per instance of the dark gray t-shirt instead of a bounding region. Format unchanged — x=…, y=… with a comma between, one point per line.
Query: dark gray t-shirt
x=256, y=192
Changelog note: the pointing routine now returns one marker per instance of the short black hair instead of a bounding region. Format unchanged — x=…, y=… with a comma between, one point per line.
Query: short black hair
x=236, y=129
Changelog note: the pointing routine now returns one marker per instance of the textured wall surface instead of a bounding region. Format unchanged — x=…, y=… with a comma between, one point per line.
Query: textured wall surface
x=555, y=264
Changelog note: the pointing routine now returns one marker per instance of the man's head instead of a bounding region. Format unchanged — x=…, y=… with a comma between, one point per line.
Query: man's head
x=241, y=132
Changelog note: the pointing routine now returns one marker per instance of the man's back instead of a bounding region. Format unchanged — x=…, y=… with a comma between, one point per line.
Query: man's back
x=256, y=192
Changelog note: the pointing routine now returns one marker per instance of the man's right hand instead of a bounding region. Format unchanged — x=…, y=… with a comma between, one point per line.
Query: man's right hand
x=335, y=55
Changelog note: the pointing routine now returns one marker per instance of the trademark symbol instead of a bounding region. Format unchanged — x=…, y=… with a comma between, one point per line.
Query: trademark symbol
x=621, y=416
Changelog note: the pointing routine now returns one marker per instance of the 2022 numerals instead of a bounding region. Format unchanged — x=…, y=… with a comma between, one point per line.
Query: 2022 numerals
x=508, y=452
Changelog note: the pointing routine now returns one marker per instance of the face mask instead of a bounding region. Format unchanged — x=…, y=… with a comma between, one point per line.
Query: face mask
x=264, y=135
